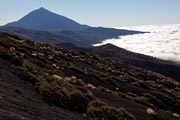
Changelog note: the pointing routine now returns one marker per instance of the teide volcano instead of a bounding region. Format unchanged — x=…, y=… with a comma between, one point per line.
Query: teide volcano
x=43, y=19
x=44, y=26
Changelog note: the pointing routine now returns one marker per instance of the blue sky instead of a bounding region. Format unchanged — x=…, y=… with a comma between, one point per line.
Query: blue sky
x=108, y=13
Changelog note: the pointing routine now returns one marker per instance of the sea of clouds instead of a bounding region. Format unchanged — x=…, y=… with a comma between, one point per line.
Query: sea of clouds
x=163, y=41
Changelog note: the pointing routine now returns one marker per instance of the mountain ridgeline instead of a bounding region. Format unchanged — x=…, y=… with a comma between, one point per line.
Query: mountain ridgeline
x=44, y=26
x=45, y=20
x=167, y=68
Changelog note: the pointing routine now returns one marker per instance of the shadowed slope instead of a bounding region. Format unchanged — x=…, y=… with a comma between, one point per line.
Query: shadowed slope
x=83, y=83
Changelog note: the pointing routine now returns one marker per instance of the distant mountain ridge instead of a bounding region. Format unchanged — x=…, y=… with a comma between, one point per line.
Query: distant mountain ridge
x=44, y=26
x=83, y=38
x=113, y=52
x=45, y=20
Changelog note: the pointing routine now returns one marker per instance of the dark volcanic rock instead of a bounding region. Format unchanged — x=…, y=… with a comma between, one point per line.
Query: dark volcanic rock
x=41, y=81
x=20, y=101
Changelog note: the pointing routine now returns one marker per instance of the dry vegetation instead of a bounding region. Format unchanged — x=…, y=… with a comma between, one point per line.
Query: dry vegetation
x=79, y=82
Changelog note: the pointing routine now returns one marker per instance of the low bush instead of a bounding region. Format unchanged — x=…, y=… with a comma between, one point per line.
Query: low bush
x=16, y=60
x=155, y=101
x=100, y=110
x=71, y=98
x=13, y=58
x=29, y=77
x=79, y=101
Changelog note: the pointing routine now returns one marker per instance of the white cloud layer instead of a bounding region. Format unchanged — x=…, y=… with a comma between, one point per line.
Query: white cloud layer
x=163, y=41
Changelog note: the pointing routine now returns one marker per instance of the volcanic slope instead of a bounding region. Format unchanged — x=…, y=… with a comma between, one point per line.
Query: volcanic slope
x=40, y=81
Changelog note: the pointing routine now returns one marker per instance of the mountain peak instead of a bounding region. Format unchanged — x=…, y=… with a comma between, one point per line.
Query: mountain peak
x=43, y=9
x=45, y=20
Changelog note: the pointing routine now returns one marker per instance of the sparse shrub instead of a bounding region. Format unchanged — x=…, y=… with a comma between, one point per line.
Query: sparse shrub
x=28, y=76
x=100, y=110
x=64, y=96
x=16, y=60
x=153, y=100
x=135, y=84
x=79, y=101
x=132, y=94
x=11, y=57
x=143, y=101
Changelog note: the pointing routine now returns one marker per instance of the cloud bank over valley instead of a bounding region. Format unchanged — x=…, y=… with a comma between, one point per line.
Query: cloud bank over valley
x=163, y=41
